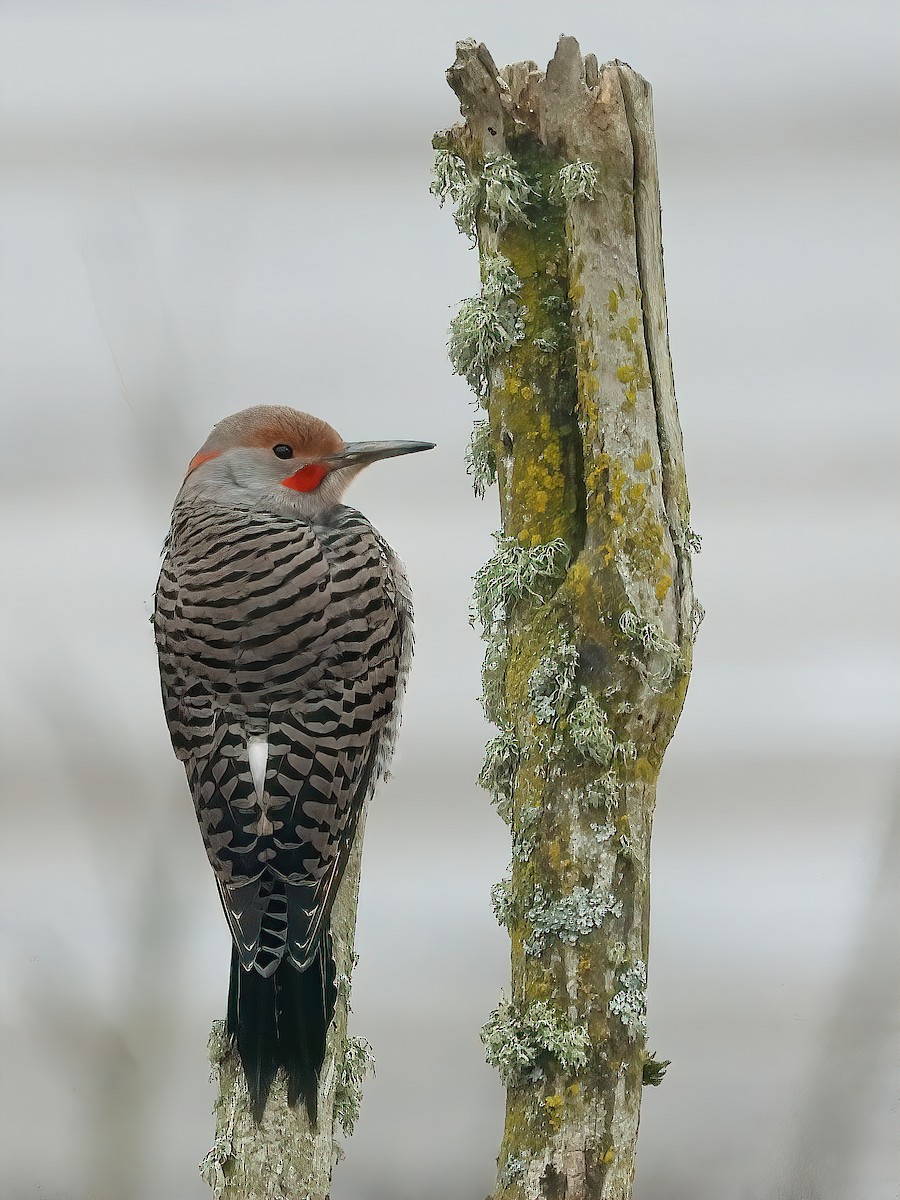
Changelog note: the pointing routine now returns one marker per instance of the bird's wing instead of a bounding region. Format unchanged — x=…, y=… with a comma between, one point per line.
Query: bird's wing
x=278, y=824
x=279, y=866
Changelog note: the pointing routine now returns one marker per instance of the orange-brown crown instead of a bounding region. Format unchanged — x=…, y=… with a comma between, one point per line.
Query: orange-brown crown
x=268, y=425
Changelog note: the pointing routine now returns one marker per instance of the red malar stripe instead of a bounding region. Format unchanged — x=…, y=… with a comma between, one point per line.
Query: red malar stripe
x=307, y=479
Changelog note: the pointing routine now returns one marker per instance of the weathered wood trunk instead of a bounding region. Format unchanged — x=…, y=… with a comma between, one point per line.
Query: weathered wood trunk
x=587, y=606
x=284, y=1157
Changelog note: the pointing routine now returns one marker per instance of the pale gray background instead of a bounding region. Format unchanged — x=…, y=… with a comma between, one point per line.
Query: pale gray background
x=209, y=205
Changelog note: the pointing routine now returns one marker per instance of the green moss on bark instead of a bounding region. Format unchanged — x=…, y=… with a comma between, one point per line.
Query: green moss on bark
x=585, y=673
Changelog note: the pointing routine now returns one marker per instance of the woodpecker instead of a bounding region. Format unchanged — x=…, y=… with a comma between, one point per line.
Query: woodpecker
x=283, y=623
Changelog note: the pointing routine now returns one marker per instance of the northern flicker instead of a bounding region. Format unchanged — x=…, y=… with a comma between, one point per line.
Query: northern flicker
x=283, y=623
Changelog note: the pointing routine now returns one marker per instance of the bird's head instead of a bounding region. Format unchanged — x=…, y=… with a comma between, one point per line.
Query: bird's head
x=280, y=459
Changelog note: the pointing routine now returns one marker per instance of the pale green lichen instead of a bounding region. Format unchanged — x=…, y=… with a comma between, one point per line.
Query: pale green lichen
x=498, y=774
x=493, y=674
x=356, y=1062
x=660, y=660
x=551, y=685
x=500, y=193
x=523, y=842
x=503, y=902
x=486, y=325
x=618, y=954
x=481, y=462
x=213, y=1163
x=603, y=833
x=576, y=181
x=514, y=573
x=516, y=1037
x=452, y=181
x=555, y=305
x=602, y=792
x=592, y=735
x=649, y=636
x=569, y=917
x=629, y=1004
x=498, y=277
x=450, y=174
x=654, y=1069
x=627, y=847
x=512, y=1170
x=505, y=192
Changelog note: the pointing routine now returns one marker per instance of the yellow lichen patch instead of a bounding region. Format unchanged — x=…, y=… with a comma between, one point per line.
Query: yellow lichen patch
x=625, y=333
x=644, y=461
x=584, y=977
x=628, y=507
x=643, y=769
x=598, y=1027
x=538, y=483
x=516, y=1117
x=626, y=373
x=523, y=659
x=574, y=1088
x=554, y=1104
x=618, y=479
x=552, y=455
x=662, y=586
x=579, y=575
x=556, y=857
x=538, y=502
x=609, y=1156
x=521, y=249
x=679, y=692
x=592, y=481
x=531, y=405
x=643, y=544
x=613, y=302
x=539, y=987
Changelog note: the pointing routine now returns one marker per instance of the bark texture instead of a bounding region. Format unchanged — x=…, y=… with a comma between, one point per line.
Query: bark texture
x=587, y=606
x=284, y=1157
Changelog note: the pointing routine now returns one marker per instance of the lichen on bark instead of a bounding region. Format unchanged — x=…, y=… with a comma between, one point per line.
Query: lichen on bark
x=587, y=607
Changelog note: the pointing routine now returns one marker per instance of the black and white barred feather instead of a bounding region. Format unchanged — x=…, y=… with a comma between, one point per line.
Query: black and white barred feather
x=284, y=644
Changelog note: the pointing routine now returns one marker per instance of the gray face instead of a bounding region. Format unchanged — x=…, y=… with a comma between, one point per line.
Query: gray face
x=252, y=477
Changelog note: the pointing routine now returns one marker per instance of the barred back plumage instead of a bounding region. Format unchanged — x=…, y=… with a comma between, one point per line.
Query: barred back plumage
x=283, y=645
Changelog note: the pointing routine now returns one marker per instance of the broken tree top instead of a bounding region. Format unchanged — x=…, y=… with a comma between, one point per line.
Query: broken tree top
x=568, y=107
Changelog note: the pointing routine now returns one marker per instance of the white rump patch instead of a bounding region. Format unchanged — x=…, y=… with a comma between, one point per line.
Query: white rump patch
x=258, y=756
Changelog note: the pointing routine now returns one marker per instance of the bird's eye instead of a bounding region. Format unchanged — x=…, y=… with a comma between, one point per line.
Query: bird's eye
x=283, y=451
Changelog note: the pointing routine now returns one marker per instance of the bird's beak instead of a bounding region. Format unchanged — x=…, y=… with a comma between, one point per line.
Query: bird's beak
x=360, y=454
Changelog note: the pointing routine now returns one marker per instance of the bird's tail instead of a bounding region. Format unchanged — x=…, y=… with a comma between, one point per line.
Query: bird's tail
x=281, y=1021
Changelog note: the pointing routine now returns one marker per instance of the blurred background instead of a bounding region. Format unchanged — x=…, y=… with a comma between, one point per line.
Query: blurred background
x=210, y=206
